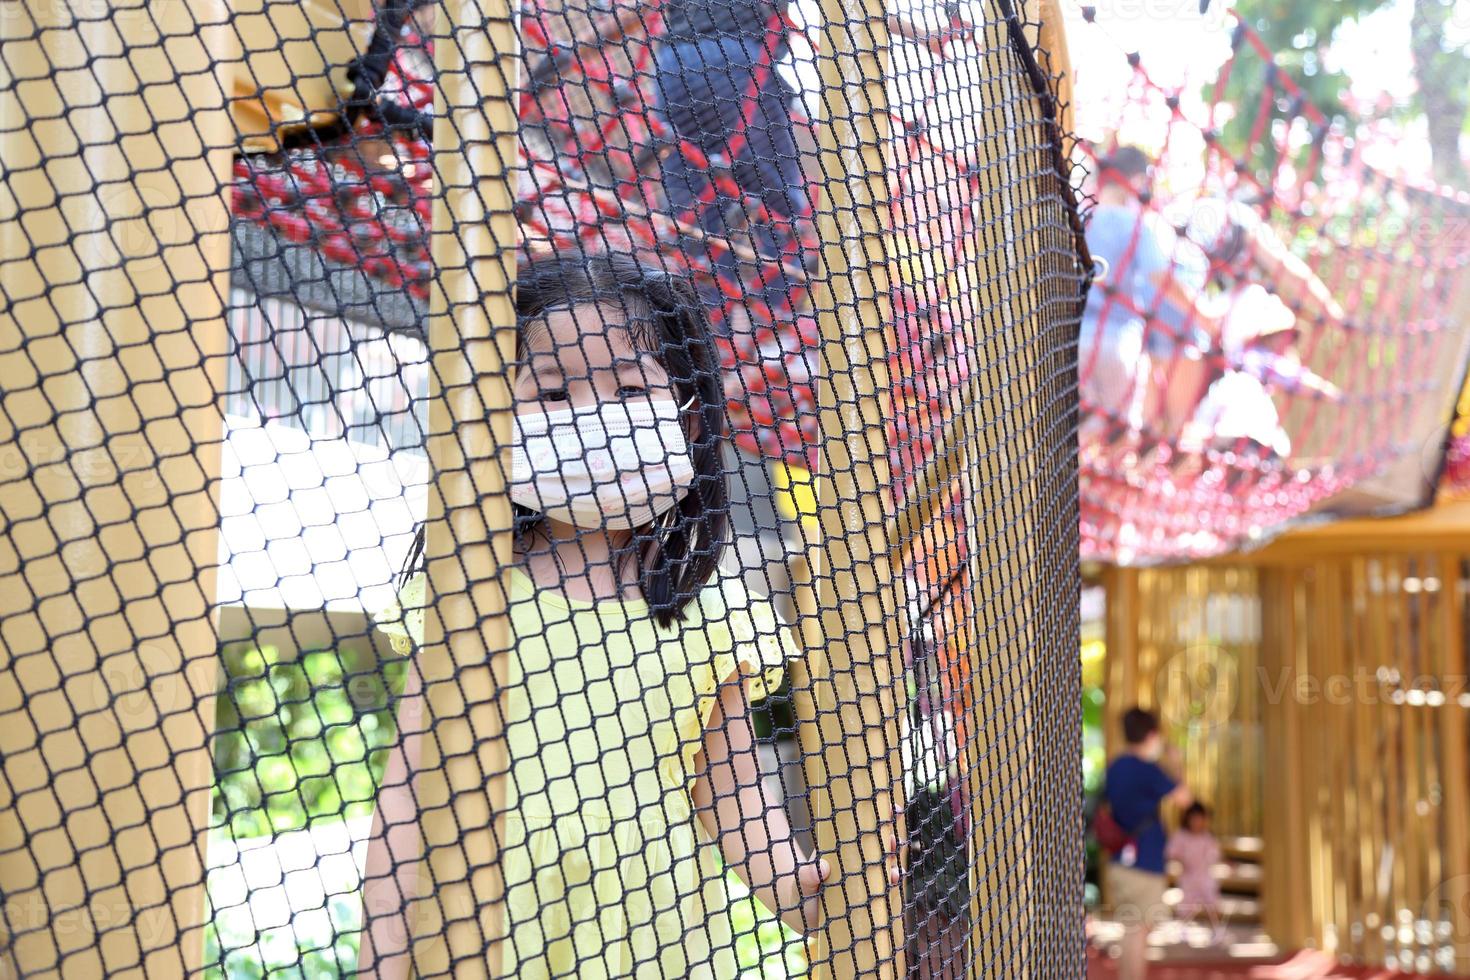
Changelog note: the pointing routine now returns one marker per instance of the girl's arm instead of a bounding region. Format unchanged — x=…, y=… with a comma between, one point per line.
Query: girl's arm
x=1292, y=280
x=751, y=829
x=390, y=880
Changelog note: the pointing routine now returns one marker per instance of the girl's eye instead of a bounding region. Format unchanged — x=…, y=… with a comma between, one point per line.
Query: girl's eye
x=553, y=394
x=631, y=391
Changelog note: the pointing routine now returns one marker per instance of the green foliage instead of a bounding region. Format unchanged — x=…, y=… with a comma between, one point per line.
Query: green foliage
x=1299, y=34
x=299, y=740
x=304, y=741
x=1094, y=751
x=318, y=945
x=764, y=947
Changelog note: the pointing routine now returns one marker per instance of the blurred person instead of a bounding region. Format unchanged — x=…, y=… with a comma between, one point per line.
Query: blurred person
x=1135, y=787
x=717, y=83
x=1259, y=338
x=1197, y=851
x=1144, y=329
x=1237, y=412
x=1241, y=243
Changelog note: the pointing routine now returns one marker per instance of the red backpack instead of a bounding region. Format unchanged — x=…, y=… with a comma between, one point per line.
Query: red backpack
x=1110, y=834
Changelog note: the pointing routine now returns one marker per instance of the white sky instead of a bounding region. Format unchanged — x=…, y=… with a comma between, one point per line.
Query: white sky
x=1179, y=46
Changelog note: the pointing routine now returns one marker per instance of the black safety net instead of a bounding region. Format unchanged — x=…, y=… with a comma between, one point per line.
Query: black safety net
x=575, y=489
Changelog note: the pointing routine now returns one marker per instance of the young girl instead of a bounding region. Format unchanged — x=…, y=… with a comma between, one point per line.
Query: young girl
x=1197, y=852
x=634, y=779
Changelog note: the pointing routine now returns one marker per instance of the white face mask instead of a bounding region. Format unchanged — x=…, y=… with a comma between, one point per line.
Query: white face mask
x=612, y=466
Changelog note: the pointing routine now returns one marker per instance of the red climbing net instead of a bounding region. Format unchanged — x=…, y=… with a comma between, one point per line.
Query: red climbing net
x=591, y=147
x=589, y=176
x=1311, y=341
x=1227, y=441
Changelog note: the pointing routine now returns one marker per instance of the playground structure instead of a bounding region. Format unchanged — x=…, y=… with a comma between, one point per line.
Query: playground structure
x=1316, y=684
x=360, y=183
x=256, y=267
x=1319, y=686
x=1273, y=210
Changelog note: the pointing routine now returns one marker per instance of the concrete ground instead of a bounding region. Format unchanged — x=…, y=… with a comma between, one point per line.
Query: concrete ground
x=1194, y=953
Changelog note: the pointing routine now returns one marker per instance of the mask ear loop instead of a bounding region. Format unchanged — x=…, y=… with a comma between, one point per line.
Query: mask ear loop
x=669, y=520
x=689, y=404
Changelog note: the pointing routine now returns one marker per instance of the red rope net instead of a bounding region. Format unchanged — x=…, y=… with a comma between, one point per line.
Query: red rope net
x=1281, y=333
x=1297, y=353
x=592, y=148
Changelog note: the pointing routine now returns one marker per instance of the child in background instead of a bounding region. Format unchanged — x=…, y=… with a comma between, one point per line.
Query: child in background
x=1197, y=852
x=634, y=780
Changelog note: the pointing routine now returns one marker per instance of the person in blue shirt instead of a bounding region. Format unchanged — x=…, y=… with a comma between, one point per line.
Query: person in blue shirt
x=717, y=80
x=1144, y=331
x=1136, y=785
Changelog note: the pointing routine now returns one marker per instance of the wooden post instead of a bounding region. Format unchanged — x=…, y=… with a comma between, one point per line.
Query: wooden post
x=1454, y=734
x=1055, y=58
x=849, y=616
x=1019, y=913
x=1367, y=795
x=114, y=259
x=458, y=919
x=1284, y=886
x=1121, y=639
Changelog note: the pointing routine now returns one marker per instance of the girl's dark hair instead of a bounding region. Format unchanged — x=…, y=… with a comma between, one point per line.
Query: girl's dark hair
x=1192, y=811
x=679, y=553
x=1138, y=725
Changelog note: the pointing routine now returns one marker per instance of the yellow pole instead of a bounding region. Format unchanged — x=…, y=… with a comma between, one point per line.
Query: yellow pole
x=1292, y=852
x=1055, y=58
x=458, y=919
x=1122, y=626
x=849, y=613
x=114, y=258
x=1017, y=905
x=1453, y=897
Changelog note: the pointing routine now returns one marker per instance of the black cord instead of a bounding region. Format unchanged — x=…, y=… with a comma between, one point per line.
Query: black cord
x=367, y=72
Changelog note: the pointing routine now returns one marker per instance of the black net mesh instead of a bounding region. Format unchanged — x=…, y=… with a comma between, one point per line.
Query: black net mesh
x=578, y=489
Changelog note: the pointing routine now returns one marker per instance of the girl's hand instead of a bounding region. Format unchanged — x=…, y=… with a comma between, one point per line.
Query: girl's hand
x=811, y=874
x=809, y=877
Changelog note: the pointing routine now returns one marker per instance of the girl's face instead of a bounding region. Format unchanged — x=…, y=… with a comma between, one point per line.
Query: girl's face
x=1199, y=823
x=584, y=357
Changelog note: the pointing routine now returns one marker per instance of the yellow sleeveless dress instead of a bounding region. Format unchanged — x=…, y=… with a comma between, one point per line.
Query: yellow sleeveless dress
x=608, y=872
